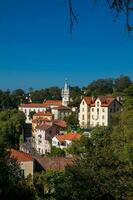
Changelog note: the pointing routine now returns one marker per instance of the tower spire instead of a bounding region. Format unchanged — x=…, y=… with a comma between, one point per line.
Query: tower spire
x=65, y=94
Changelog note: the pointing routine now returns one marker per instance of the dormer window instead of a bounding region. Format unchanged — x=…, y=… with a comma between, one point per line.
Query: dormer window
x=83, y=102
x=98, y=104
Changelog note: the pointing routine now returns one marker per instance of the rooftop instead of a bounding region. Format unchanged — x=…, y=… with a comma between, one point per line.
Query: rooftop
x=69, y=136
x=20, y=155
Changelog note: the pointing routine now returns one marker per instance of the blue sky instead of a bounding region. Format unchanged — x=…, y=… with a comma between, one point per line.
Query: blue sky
x=37, y=51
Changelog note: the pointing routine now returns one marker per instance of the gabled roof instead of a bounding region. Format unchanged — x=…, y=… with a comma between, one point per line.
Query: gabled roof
x=20, y=155
x=43, y=126
x=105, y=100
x=60, y=123
x=88, y=100
x=69, y=136
x=61, y=108
x=52, y=103
x=55, y=163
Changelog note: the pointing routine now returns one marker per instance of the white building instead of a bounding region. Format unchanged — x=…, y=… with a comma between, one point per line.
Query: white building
x=57, y=107
x=64, y=141
x=61, y=112
x=97, y=111
x=42, y=137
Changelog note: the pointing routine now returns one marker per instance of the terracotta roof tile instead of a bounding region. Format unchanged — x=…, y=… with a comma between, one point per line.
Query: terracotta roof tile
x=69, y=136
x=60, y=123
x=61, y=108
x=43, y=126
x=88, y=100
x=45, y=104
x=20, y=155
x=52, y=103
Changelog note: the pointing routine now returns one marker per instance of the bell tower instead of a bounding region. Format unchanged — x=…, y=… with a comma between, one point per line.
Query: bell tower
x=65, y=94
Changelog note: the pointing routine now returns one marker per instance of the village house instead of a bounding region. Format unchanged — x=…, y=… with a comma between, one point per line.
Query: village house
x=42, y=137
x=25, y=160
x=64, y=141
x=97, y=111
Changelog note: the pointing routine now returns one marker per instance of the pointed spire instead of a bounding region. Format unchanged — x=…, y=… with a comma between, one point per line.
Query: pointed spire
x=66, y=85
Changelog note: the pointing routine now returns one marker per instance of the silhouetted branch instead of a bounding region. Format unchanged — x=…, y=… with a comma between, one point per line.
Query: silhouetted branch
x=72, y=15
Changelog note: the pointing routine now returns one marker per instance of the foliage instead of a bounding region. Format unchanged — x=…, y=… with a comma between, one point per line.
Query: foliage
x=45, y=183
x=122, y=83
x=71, y=120
x=55, y=152
x=10, y=100
x=100, y=87
x=12, y=185
x=99, y=172
x=31, y=114
x=38, y=96
x=75, y=94
x=11, y=126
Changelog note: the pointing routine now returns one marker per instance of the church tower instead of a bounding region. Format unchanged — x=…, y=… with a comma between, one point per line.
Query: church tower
x=65, y=94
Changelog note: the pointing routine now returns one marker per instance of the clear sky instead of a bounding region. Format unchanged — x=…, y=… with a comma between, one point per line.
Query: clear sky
x=37, y=51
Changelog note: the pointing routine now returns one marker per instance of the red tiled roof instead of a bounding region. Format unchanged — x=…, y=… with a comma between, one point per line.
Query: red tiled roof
x=45, y=104
x=33, y=105
x=69, y=136
x=88, y=100
x=20, y=155
x=105, y=100
x=61, y=108
x=43, y=126
x=60, y=123
x=40, y=120
x=43, y=114
x=52, y=103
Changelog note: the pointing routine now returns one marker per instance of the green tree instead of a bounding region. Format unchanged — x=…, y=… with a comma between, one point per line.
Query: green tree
x=31, y=114
x=11, y=127
x=55, y=152
x=71, y=120
x=99, y=172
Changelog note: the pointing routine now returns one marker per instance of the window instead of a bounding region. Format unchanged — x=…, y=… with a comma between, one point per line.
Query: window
x=103, y=110
x=98, y=110
x=103, y=124
x=92, y=109
x=103, y=117
x=82, y=109
x=83, y=102
x=82, y=117
x=98, y=104
x=22, y=173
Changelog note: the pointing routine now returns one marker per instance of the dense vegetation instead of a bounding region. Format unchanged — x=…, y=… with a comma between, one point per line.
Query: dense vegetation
x=9, y=100
x=103, y=167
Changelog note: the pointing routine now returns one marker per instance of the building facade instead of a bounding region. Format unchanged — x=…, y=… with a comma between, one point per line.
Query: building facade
x=42, y=137
x=97, y=111
x=58, y=108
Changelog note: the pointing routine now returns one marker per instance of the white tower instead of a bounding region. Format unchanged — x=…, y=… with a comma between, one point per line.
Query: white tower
x=65, y=94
